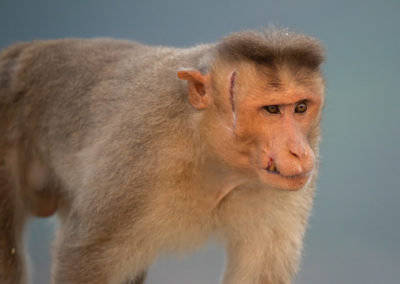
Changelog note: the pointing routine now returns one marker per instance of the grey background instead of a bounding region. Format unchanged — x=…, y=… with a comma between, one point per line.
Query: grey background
x=354, y=236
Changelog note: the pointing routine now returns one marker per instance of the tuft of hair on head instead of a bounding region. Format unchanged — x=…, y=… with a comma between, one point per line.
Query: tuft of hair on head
x=272, y=47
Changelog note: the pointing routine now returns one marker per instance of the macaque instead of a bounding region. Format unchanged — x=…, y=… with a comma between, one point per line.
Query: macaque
x=144, y=150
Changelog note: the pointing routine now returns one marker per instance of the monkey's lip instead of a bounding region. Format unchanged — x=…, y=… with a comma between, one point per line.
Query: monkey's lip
x=299, y=176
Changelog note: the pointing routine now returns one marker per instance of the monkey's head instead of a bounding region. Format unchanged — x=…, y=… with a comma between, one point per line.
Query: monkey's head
x=261, y=104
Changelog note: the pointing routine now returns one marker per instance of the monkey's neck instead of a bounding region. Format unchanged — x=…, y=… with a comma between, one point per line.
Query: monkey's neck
x=215, y=182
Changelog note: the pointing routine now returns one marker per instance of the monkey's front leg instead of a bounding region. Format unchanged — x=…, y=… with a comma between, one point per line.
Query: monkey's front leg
x=262, y=256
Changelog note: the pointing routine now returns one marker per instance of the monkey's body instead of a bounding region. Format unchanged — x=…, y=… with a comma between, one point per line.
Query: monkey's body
x=102, y=132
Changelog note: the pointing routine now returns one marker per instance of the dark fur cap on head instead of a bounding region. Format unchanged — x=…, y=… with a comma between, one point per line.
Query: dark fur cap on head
x=272, y=46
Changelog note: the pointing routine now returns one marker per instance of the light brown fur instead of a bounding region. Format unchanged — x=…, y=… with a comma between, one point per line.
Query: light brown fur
x=136, y=162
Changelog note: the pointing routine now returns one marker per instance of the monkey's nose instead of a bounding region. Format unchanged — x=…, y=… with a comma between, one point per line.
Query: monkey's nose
x=298, y=163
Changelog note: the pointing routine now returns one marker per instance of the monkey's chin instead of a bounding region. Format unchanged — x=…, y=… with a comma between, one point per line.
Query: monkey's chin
x=282, y=182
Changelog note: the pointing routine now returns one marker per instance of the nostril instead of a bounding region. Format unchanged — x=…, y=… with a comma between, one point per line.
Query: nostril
x=294, y=154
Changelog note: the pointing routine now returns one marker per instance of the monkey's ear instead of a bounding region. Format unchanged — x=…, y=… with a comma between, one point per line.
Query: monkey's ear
x=198, y=84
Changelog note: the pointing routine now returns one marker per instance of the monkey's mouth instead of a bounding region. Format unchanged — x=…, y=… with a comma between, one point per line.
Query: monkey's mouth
x=277, y=173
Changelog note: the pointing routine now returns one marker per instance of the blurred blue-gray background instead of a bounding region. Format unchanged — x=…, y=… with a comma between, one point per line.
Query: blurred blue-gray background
x=354, y=233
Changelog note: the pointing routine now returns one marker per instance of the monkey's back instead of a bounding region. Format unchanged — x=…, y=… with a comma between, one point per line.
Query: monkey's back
x=64, y=86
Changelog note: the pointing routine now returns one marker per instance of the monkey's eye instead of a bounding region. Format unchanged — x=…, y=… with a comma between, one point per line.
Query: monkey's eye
x=301, y=107
x=274, y=109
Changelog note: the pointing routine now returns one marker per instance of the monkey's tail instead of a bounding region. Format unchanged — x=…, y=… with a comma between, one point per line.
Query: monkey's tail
x=12, y=219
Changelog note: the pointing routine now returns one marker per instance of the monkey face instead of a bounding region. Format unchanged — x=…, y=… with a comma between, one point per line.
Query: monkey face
x=283, y=151
x=265, y=130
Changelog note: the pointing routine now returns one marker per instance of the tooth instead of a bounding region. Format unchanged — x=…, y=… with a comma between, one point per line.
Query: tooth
x=272, y=167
